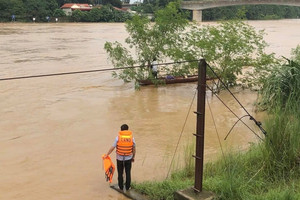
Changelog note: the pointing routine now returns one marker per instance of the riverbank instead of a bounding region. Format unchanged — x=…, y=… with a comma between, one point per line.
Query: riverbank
x=268, y=170
x=239, y=175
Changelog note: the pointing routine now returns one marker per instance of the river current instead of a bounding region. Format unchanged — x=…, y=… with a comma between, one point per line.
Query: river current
x=53, y=130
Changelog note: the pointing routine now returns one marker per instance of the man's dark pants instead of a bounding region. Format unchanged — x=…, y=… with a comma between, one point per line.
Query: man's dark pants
x=120, y=166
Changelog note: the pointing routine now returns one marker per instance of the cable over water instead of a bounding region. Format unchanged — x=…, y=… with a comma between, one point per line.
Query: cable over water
x=88, y=71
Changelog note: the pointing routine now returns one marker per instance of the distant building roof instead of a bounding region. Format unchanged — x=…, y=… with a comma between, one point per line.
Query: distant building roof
x=116, y=8
x=75, y=6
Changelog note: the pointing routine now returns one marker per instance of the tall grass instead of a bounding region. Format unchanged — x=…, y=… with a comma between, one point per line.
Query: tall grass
x=282, y=145
x=268, y=170
x=281, y=87
x=179, y=179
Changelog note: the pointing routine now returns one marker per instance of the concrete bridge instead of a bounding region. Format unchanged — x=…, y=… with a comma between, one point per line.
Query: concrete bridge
x=198, y=6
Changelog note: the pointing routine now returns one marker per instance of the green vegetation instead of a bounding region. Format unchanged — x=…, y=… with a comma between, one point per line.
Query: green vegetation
x=268, y=170
x=148, y=41
x=252, y=12
x=165, y=189
x=228, y=47
x=151, y=6
x=296, y=54
x=116, y=3
x=25, y=10
x=104, y=14
x=281, y=86
x=48, y=10
x=181, y=179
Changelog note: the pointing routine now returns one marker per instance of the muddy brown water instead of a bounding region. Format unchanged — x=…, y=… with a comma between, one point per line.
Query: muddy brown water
x=53, y=130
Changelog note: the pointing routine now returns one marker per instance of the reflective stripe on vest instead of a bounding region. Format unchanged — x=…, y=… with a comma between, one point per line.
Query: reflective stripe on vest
x=125, y=143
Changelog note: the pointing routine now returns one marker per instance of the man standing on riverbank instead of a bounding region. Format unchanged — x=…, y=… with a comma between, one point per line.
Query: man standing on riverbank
x=125, y=154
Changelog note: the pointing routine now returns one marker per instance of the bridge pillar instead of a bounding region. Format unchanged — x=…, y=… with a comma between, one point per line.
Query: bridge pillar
x=197, y=15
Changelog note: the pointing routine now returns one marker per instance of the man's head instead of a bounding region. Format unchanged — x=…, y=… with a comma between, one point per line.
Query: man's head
x=124, y=127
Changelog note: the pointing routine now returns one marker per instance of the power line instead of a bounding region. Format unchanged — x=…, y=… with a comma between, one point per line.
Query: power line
x=88, y=71
x=63, y=73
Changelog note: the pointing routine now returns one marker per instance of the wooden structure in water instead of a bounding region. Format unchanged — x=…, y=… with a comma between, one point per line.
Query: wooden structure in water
x=165, y=80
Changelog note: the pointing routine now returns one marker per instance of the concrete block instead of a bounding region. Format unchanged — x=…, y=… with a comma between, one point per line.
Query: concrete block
x=190, y=194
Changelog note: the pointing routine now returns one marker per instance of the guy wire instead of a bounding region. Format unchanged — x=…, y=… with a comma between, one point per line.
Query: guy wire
x=181, y=133
x=228, y=89
x=232, y=112
x=251, y=117
x=240, y=119
x=212, y=116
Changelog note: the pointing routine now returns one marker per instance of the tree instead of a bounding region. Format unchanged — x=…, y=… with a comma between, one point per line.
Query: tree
x=252, y=12
x=148, y=41
x=121, y=16
x=95, y=15
x=40, y=8
x=77, y=16
x=151, y=6
x=9, y=8
x=59, y=13
x=116, y=3
x=106, y=13
x=228, y=47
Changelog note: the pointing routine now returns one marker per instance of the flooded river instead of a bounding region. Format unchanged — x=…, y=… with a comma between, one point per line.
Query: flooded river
x=53, y=130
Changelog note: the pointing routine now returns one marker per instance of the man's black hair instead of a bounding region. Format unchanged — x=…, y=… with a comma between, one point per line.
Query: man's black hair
x=124, y=127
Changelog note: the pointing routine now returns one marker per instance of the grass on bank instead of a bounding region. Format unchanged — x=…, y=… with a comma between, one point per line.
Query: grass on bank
x=269, y=170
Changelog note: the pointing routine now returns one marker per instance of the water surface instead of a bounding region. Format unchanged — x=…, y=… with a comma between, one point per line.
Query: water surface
x=55, y=129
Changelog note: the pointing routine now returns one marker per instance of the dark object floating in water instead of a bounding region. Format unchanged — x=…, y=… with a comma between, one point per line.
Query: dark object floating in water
x=170, y=80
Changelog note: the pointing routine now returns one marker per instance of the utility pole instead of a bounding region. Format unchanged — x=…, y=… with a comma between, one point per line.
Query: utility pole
x=200, y=125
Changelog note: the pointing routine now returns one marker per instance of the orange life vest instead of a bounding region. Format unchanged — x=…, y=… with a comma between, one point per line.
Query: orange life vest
x=109, y=168
x=125, y=143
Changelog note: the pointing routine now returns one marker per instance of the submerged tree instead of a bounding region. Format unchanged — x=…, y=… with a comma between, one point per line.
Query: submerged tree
x=228, y=47
x=147, y=41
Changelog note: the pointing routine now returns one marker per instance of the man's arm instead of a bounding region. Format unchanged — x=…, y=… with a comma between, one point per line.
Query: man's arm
x=109, y=151
x=133, y=152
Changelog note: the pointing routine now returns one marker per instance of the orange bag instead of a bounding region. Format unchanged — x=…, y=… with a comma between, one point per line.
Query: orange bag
x=109, y=168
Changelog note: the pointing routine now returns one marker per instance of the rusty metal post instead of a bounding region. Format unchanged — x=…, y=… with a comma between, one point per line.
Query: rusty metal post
x=200, y=125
